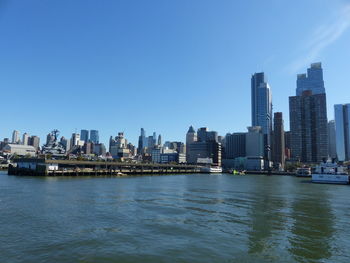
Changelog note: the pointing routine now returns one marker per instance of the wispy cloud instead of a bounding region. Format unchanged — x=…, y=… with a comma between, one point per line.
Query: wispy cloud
x=321, y=38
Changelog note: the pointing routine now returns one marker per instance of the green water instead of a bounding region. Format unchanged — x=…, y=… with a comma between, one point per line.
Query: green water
x=181, y=218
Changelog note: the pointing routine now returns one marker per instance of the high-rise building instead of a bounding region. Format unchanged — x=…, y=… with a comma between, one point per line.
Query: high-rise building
x=235, y=145
x=278, y=140
x=332, y=151
x=159, y=140
x=84, y=135
x=75, y=141
x=25, y=139
x=66, y=143
x=15, y=137
x=94, y=136
x=142, y=143
x=205, y=146
x=308, y=122
x=261, y=101
x=34, y=141
x=312, y=81
x=342, y=131
x=255, y=142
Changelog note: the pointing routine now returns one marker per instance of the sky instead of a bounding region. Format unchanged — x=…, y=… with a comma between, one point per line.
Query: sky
x=163, y=65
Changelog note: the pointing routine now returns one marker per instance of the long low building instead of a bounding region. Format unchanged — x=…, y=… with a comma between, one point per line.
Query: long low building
x=19, y=149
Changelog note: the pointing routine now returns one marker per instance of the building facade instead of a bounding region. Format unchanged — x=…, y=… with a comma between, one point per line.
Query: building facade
x=235, y=145
x=308, y=127
x=332, y=149
x=278, y=152
x=312, y=81
x=342, y=131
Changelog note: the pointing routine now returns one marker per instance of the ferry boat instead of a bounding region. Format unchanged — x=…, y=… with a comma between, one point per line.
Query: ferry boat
x=211, y=169
x=303, y=172
x=330, y=173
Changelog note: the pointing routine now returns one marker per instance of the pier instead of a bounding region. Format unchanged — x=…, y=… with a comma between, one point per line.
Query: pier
x=46, y=167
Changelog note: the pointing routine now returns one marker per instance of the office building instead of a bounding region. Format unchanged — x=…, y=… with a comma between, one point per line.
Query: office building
x=332, y=151
x=235, y=145
x=308, y=118
x=84, y=135
x=34, y=141
x=94, y=136
x=312, y=81
x=255, y=142
x=342, y=131
x=278, y=156
x=25, y=139
x=15, y=137
x=203, y=144
x=261, y=103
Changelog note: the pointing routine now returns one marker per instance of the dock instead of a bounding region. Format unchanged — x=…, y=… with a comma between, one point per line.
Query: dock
x=46, y=167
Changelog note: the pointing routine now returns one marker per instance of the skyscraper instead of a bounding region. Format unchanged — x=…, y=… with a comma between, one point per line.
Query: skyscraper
x=332, y=152
x=342, y=131
x=142, y=143
x=278, y=139
x=255, y=142
x=313, y=80
x=308, y=118
x=15, y=137
x=34, y=141
x=94, y=136
x=159, y=140
x=25, y=139
x=262, y=108
x=84, y=135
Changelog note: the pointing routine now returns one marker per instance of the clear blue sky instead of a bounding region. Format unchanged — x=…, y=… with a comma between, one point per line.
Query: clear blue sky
x=162, y=65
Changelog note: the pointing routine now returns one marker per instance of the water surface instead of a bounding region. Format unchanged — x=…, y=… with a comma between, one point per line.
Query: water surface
x=180, y=218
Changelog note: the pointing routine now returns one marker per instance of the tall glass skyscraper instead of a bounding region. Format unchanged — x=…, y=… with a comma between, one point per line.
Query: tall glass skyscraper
x=342, y=131
x=94, y=136
x=312, y=81
x=84, y=135
x=262, y=108
x=261, y=103
x=308, y=117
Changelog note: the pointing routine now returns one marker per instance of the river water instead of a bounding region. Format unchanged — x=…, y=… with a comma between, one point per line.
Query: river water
x=180, y=218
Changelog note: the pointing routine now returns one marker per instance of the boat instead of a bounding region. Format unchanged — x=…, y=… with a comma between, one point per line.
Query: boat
x=329, y=172
x=303, y=172
x=211, y=169
x=235, y=172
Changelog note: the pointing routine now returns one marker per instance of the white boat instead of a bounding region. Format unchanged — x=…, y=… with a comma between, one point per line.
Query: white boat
x=211, y=169
x=330, y=173
x=303, y=172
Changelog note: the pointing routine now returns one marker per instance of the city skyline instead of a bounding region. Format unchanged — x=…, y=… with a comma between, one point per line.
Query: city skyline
x=166, y=78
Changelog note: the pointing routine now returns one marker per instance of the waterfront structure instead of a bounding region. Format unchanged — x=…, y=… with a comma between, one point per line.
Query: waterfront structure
x=84, y=135
x=308, y=118
x=94, y=136
x=332, y=151
x=255, y=142
x=15, y=137
x=235, y=145
x=312, y=81
x=25, y=139
x=52, y=145
x=342, y=131
x=18, y=149
x=261, y=103
x=278, y=151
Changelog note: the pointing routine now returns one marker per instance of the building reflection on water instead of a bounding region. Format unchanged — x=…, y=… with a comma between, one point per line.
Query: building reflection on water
x=312, y=231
